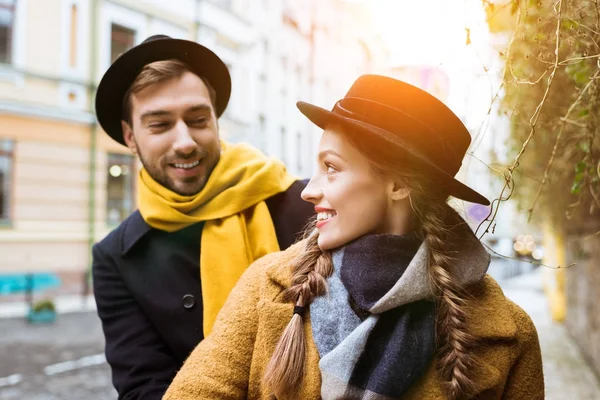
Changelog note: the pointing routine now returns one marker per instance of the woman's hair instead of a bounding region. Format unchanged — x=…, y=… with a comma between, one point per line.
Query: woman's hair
x=435, y=219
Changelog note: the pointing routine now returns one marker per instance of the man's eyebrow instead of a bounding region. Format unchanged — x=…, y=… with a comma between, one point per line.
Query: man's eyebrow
x=162, y=113
x=324, y=153
x=154, y=113
x=199, y=107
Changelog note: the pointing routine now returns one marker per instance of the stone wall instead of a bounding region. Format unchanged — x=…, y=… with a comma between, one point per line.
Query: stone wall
x=583, y=296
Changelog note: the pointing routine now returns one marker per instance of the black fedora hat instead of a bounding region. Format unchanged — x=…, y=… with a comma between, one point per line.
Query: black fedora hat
x=409, y=118
x=121, y=74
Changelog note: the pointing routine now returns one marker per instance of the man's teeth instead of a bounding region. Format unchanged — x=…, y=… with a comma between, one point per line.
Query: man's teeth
x=322, y=216
x=187, y=166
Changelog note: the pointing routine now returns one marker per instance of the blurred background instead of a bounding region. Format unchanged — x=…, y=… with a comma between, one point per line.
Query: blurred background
x=520, y=74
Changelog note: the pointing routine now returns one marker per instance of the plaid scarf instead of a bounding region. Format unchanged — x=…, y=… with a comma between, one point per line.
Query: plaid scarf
x=375, y=330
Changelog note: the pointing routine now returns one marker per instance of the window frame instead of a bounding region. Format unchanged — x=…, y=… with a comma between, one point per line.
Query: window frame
x=125, y=17
x=132, y=164
x=114, y=38
x=10, y=154
x=11, y=32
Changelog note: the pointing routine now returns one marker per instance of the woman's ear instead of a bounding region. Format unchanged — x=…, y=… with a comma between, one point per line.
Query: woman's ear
x=399, y=191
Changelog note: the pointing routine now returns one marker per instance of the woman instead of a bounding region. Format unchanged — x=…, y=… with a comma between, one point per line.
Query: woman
x=387, y=297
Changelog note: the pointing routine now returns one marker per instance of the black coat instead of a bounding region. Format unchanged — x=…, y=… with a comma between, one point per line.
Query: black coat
x=147, y=289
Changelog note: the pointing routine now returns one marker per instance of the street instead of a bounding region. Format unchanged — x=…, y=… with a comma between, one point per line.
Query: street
x=566, y=375
x=60, y=361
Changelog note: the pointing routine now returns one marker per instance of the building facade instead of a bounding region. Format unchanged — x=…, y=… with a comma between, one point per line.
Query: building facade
x=64, y=183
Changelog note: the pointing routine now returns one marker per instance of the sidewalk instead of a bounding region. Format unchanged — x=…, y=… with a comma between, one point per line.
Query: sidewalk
x=566, y=374
x=64, y=304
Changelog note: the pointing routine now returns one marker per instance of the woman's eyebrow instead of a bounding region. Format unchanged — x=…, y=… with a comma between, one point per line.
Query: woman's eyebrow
x=324, y=153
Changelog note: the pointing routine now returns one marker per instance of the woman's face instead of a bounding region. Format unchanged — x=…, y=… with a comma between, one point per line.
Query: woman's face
x=351, y=198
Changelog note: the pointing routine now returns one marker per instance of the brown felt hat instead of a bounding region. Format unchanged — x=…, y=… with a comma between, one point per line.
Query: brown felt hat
x=409, y=118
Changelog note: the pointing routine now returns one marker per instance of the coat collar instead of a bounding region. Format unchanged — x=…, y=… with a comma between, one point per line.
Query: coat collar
x=134, y=228
x=487, y=295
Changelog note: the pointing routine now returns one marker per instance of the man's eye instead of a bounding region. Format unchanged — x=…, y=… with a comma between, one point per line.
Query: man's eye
x=200, y=121
x=157, y=125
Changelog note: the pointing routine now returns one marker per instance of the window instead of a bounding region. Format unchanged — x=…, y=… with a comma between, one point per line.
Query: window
x=7, y=18
x=119, y=187
x=6, y=161
x=262, y=132
x=121, y=40
x=231, y=109
x=73, y=42
x=283, y=144
x=262, y=91
x=299, y=151
x=223, y=3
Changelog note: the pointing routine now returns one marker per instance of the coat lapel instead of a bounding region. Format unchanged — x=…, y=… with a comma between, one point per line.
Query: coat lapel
x=281, y=274
x=495, y=332
x=134, y=228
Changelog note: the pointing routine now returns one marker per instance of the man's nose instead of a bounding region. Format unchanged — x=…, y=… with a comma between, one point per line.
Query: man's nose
x=184, y=142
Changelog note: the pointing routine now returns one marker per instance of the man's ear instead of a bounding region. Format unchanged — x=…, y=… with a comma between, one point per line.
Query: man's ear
x=399, y=191
x=128, y=137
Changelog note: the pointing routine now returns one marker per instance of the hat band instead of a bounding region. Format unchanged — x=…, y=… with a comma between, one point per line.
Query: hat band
x=414, y=132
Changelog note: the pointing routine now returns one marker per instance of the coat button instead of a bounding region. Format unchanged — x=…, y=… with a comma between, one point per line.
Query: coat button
x=189, y=301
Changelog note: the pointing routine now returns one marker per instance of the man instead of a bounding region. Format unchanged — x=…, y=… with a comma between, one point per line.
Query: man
x=207, y=209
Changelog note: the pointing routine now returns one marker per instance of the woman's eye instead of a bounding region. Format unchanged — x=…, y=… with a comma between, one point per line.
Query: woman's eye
x=330, y=169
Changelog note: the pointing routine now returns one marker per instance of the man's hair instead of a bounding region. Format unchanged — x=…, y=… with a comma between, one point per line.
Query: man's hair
x=156, y=72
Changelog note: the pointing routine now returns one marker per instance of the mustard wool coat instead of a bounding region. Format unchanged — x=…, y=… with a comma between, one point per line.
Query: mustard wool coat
x=230, y=362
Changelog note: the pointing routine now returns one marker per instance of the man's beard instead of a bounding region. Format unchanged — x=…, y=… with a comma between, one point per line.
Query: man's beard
x=161, y=177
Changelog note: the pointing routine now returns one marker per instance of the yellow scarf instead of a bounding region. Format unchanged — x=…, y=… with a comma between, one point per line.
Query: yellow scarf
x=238, y=227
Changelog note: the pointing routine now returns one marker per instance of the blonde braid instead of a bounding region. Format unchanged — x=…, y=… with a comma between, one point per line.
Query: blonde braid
x=454, y=340
x=309, y=280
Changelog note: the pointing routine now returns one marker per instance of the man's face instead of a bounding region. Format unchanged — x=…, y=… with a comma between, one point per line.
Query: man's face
x=174, y=131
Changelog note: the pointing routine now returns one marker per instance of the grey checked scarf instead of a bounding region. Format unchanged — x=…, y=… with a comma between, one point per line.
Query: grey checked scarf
x=375, y=330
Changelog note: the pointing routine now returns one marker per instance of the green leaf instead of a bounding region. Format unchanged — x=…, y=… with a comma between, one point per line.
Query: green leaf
x=579, y=177
x=576, y=188
x=584, y=146
x=580, y=168
x=568, y=24
x=584, y=112
x=578, y=72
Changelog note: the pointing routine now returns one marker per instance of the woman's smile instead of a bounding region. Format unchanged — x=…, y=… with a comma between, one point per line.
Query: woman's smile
x=324, y=215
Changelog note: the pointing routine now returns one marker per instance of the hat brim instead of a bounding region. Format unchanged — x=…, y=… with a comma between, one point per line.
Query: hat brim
x=322, y=118
x=121, y=74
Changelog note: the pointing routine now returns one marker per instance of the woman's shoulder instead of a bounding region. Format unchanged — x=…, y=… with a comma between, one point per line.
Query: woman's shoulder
x=274, y=269
x=279, y=258
x=496, y=316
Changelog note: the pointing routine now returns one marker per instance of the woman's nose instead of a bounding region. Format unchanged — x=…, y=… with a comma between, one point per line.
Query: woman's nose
x=311, y=193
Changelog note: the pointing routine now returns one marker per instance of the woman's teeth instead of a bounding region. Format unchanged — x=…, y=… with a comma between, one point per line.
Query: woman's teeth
x=322, y=216
x=187, y=166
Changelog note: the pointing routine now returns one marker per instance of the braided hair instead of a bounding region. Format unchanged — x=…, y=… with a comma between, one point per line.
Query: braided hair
x=309, y=280
x=435, y=219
